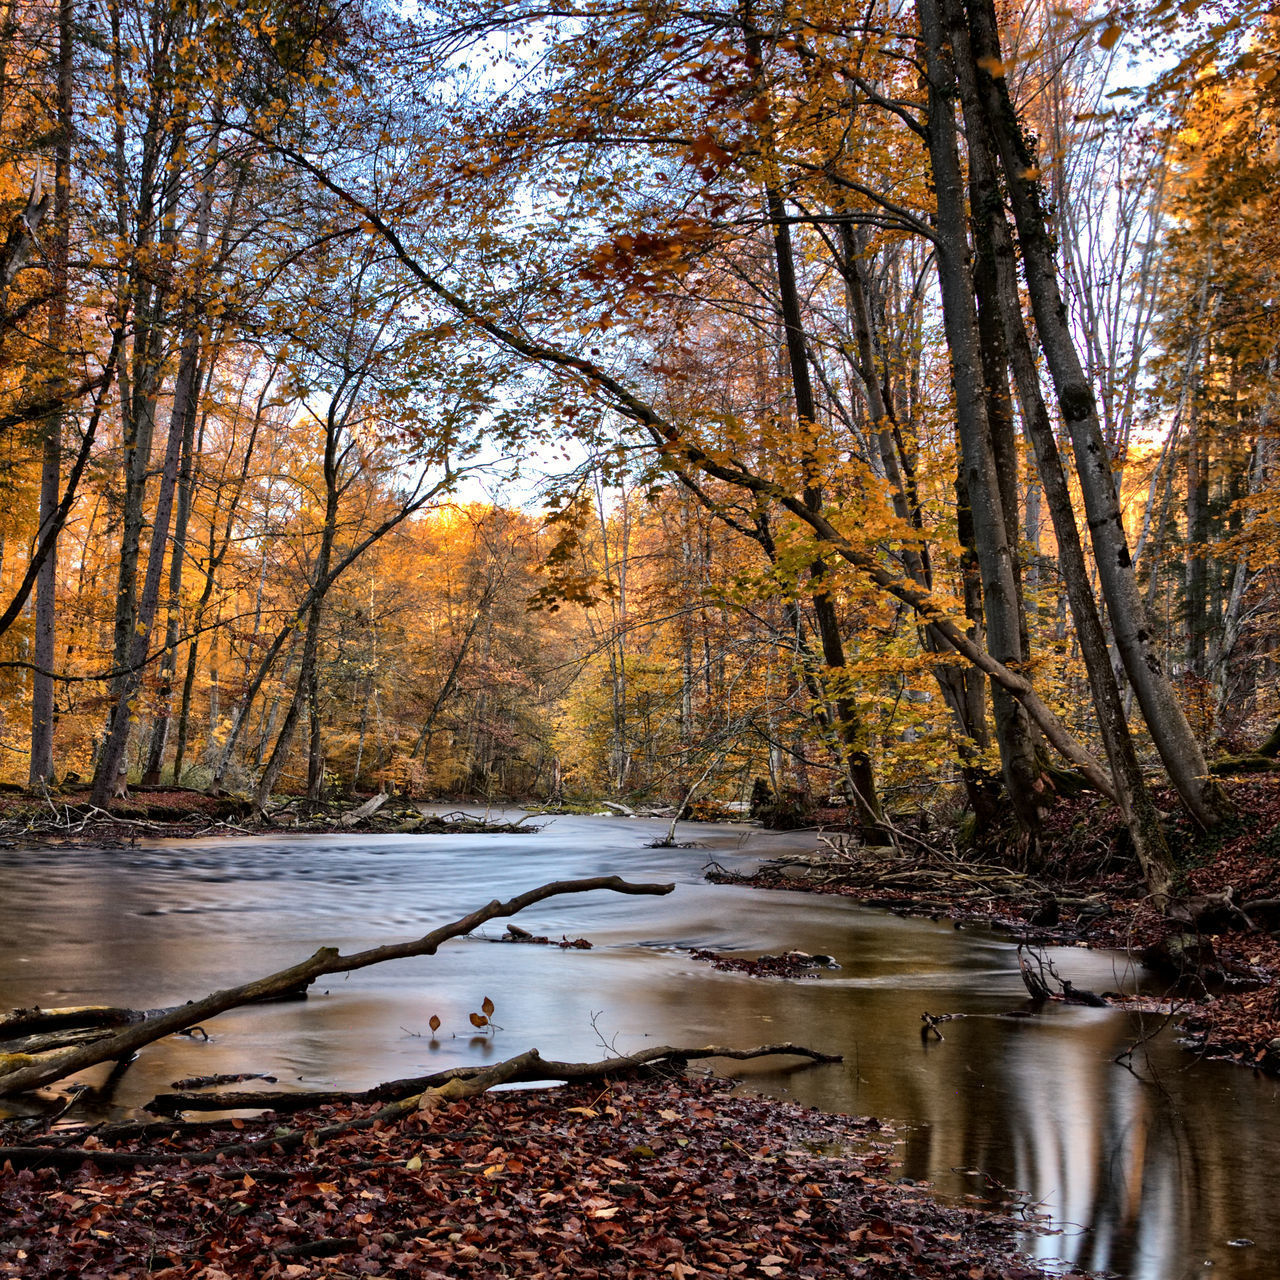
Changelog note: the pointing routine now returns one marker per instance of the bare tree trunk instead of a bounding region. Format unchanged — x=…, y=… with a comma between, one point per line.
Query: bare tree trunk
x=860, y=775
x=41, y=764
x=1134, y=635
x=177, y=560
x=1224, y=645
x=315, y=738
x=995, y=241
x=963, y=689
x=107, y=778
x=43, y=651
x=306, y=686
x=982, y=478
x=1196, y=597
x=279, y=753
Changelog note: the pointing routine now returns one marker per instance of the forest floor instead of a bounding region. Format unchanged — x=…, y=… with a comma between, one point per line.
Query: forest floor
x=1218, y=951
x=647, y=1177
x=66, y=817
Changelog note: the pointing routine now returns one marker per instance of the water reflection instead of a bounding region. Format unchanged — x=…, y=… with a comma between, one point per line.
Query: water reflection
x=1148, y=1180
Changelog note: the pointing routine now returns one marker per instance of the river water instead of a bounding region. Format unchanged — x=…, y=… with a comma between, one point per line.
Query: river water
x=1152, y=1178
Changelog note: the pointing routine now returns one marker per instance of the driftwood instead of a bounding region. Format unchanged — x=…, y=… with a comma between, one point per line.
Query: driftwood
x=88, y=1024
x=516, y=934
x=25, y=1022
x=421, y=1094
x=20, y=1073
x=530, y=1066
x=366, y=810
x=1043, y=982
x=25, y=1032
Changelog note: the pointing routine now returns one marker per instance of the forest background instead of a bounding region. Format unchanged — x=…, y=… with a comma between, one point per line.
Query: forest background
x=910, y=384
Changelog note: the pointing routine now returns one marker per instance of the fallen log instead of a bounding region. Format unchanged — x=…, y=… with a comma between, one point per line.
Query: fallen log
x=532, y=1067
x=22, y=1072
x=366, y=810
x=25, y=1033
x=422, y=1094
x=88, y=1024
x=26, y=1022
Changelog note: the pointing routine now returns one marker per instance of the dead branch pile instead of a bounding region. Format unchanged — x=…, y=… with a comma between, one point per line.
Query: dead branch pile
x=874, y=871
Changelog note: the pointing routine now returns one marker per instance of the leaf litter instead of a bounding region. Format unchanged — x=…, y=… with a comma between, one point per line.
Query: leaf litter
x=666, y=1177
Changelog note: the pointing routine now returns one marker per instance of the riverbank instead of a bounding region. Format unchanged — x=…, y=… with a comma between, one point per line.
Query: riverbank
x=1217, y=951
x=1030, y=1103
x=660, y=1177
x=67, y=817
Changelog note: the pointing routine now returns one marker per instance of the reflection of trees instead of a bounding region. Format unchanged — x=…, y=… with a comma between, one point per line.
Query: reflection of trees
x=1141, y=1176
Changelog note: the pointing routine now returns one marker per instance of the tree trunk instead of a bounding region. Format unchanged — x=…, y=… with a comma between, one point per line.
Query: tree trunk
x=1133, y=632
x=315, y=739
x=996, y=244
x=177, y=561
x=860, y=775
x=1196, y=599
x=982, y=480
x=306, y=686
x=111, y=763
x=41, y=765
x=963, y=689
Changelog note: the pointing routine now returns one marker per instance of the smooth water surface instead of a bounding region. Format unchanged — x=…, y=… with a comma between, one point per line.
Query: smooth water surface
x=1151, y=1180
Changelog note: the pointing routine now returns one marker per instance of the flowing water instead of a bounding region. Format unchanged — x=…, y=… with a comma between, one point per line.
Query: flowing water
x=1151, y=1178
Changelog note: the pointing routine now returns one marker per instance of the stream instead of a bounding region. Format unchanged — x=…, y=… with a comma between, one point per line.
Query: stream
x=1157, y=1179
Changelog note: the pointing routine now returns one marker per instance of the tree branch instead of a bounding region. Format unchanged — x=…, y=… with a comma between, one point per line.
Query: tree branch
x=34, y=1071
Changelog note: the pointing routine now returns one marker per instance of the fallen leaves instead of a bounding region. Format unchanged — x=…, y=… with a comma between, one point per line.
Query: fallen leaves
x=658, y=1178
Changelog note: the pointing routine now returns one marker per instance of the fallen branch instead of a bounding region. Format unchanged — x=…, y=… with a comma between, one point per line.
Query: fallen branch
x=26, y=1072
x=425, y=1093
x=532, y=1066
x=1043, y=982
x=27, y=1022
x=366, y=810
